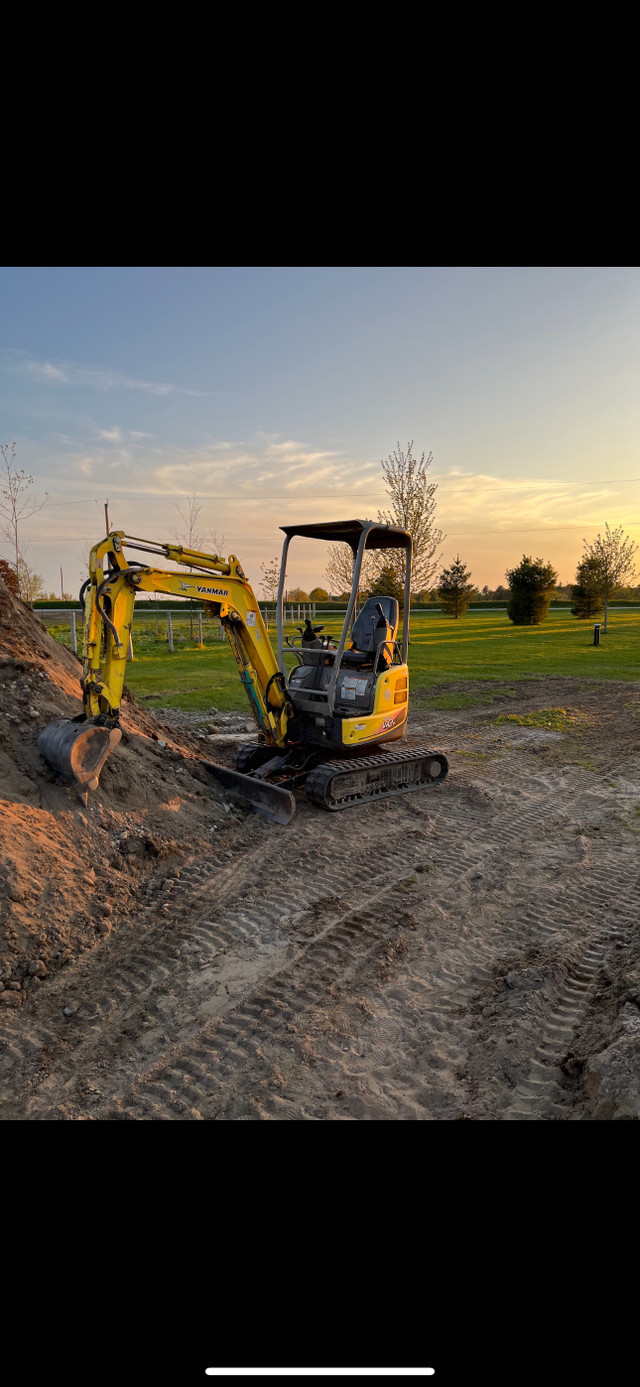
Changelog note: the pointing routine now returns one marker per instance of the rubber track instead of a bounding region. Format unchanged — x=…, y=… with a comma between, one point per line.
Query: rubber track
x=319, y=780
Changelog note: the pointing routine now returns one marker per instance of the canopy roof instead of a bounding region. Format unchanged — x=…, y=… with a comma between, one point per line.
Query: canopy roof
x=349, y=532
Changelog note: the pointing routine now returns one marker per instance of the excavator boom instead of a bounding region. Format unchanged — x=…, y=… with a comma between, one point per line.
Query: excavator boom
x=77, y=749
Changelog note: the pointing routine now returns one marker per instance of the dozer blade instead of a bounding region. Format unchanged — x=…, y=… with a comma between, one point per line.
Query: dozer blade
x=277, y=804
x=77, y=751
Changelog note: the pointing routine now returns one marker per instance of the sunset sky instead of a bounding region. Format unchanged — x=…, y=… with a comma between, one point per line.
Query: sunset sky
x=275, y=393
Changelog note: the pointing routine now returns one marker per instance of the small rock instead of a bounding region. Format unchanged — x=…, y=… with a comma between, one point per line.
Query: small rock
x=161, y=744
x=10, y=999
x=16, y=893
x=13, y=986
x=105, y=908
x=1, y=987
x=38, y=969
x=71, y=1009
x=33, y=713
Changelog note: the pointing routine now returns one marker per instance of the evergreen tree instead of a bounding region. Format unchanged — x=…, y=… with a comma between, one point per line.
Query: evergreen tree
x=587, y=595
x=531, y=588
x=455, y=590
x=387, y=584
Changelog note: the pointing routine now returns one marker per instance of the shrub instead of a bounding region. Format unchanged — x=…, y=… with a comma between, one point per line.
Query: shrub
x=531, y=588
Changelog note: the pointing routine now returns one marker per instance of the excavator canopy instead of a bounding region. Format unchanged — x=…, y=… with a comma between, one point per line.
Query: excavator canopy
x=350, y=531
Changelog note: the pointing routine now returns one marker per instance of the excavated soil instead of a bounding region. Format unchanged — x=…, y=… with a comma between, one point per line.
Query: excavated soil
x=469, y=952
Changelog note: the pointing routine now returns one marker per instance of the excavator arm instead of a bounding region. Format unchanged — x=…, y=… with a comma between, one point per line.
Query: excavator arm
x=223, y=587
x=78, y=748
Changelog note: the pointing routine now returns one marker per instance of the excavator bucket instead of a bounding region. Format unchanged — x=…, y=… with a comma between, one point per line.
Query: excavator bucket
x=77, y=750
x=271, y=800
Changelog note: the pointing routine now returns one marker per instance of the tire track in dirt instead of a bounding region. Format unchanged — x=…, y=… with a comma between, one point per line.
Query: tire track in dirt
x=175, y=1041
x=199, y=1080
x=123, y=978
x=540, y=1095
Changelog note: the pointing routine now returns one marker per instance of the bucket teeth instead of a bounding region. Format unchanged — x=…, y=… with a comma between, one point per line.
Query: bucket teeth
x=78, y=751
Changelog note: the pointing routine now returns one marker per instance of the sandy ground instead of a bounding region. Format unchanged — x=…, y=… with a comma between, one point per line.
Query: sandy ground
x=468, y=952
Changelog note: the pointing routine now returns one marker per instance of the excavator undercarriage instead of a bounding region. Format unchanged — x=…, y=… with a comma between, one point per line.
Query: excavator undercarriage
x=323, y=725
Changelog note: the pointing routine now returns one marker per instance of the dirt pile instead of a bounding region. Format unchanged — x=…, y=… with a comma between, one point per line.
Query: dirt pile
x=69, y=876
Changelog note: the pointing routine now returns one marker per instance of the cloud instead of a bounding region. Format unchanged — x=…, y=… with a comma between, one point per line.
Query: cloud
x=97, y=378
x=484, y=503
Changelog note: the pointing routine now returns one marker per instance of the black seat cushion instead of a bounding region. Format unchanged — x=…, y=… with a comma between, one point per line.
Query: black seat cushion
x=363, y=630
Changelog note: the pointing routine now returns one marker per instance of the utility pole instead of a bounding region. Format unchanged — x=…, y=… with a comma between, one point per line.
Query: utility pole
x=106, y=515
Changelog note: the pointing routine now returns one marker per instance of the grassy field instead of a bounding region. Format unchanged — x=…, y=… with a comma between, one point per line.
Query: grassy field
x=483, y=645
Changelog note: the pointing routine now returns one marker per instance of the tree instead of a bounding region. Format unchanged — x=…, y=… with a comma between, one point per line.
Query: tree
x=387, y=584
x=455, y=590
x=587, y=597
x=532, y=586
x=413, y=505
x=270, y=578
x=30, y=583
x=16, y=505
x=194, y=535
x=613, y=553
x=319, y=595
x=339, y=570
x=297, y=595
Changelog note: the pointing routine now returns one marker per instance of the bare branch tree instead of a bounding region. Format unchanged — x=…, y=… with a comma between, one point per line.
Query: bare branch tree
x=31, y=584
x=16, y=505
x=338, y=574
x=270, y=578
x=612, y=554
x=413, y=505
x=194, y=534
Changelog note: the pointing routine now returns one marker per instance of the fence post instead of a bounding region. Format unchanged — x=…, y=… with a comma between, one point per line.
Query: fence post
x=596, y=633
x=170, y=630
x=72, y=623
x=199, y=628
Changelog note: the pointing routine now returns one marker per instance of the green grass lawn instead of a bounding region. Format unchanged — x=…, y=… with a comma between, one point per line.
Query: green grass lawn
x=482, y=645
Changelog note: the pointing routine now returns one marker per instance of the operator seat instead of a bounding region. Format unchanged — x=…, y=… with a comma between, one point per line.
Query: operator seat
x=371, y=630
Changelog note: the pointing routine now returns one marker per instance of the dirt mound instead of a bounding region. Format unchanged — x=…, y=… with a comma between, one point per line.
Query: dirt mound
x=69, y=876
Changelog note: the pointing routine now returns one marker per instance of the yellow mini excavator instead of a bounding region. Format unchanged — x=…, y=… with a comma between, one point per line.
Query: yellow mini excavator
x=325, y=725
